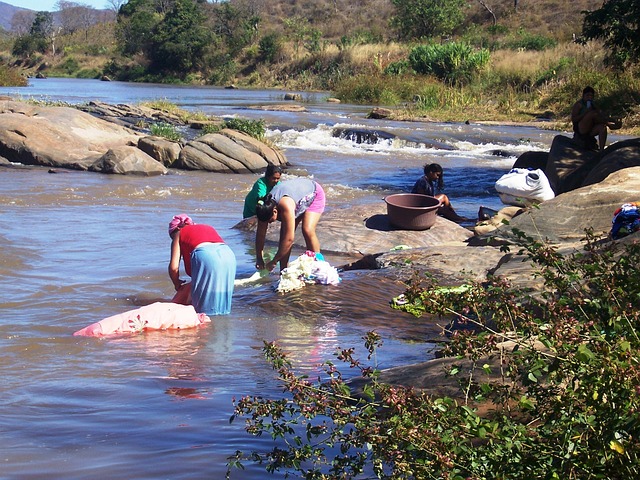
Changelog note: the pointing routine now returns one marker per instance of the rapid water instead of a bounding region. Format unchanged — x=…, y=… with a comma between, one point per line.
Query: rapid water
x=78, y=247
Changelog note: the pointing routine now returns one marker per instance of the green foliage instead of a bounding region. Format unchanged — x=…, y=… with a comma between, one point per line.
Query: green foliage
x=165, y=130
x=25, y=46
x=364, y=89
x=38, y=39
x=401, y=67
x=616, y=23
x=456, y=63
x=87, y=73
x=556, y=71
x=416, y=19
x=253, y=128
x=237, y=25
x=179, y=39
x=300, y=31
x=223, y=69
x=530, y=41
x=498, y=29
x=69, y=66
x=359, y=37
x=136, y=22
x=270, y=48
x=561, y=398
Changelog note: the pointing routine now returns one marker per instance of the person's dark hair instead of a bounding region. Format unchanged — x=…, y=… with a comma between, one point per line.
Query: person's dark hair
x=588, y=90
x=264, y=208
x=436, y=168
x=272, y=169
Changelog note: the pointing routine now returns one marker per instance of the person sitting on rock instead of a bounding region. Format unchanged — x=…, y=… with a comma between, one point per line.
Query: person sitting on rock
x=432, y=184
x=589, y=121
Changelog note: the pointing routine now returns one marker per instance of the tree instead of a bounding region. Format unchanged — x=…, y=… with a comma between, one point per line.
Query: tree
x=416, y=19
x=180, y=39
x=488, y=9
x=236, y=23
x=136, y=21
x=75, y=17
x=21, y=21
x=617, y=24
x=40, y=36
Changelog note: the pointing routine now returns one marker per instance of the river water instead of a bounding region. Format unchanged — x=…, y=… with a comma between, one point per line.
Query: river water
x=78, y=247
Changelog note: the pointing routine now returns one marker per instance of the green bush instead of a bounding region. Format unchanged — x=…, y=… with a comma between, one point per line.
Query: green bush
x=561, y=399
x=400, y=67
x=364, y=89
x=270, y=47
x=530, y=41
x=165, y=130
x=69, y=66
x=253, y=128
x=359, y=37
x=456, y=63
x=88, y=73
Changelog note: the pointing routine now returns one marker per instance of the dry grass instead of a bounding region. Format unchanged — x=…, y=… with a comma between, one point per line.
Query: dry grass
x=590, y=57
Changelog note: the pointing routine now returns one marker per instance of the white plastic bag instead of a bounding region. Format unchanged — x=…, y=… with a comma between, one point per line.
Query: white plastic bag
x=523, y=187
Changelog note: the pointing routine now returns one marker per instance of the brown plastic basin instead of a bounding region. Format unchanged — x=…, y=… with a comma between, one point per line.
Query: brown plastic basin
x=412, y=211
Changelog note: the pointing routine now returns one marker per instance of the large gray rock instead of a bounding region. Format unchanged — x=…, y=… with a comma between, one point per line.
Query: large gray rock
x=200, y=156
x=568, y=164
x=533, y=160
x=56, y=136
x=164, y=151
x=272, y=155
x=619, y=155
x=128, y=160
x=364, y=230
x=66, y=137
x=229, y=151
x=564, y=219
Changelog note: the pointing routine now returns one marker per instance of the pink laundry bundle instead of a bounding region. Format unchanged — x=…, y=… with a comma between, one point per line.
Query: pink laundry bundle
x=157, y=316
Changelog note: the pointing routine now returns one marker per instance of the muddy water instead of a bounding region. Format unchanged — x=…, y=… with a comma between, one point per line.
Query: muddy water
x=78, y=247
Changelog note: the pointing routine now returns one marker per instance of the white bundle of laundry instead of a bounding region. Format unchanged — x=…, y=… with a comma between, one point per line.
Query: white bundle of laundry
x=308, y=268
x=523, y=187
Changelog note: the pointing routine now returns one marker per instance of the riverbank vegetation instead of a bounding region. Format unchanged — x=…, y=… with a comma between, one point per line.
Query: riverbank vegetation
x=457, y=60
x=548, y=384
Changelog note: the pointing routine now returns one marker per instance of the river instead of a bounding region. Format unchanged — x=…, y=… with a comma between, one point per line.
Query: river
x=78, y=247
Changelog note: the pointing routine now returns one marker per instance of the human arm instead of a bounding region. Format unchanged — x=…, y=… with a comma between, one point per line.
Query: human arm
x=286, y=214
x=174, y=262
x=581, y=109
x=261, y=235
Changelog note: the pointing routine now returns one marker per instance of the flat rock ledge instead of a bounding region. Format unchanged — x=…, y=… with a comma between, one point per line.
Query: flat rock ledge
x=115, y=139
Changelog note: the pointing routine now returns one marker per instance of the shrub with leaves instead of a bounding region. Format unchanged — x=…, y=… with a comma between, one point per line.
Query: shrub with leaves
x=165, y=130
x=563, y=401
x=253, y=128
x=453, y=62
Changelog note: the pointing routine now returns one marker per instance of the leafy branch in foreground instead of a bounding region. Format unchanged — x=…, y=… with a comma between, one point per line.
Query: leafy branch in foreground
x=561, y=398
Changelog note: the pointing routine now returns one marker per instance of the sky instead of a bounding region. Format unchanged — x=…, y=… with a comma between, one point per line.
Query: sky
x=50, y=5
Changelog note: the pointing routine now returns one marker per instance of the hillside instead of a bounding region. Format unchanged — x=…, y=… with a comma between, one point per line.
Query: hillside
x=335, y=18
x=6, y=14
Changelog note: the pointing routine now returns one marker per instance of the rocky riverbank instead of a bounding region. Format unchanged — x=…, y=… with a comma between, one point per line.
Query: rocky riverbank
x=589, y=187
